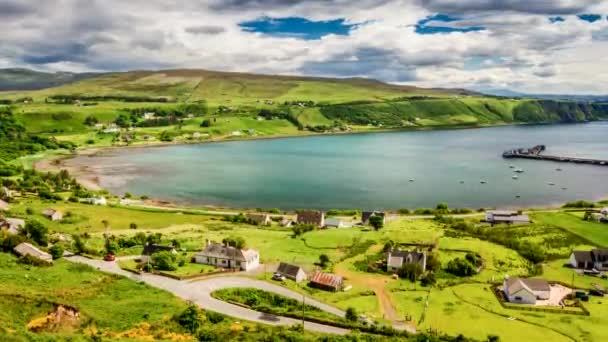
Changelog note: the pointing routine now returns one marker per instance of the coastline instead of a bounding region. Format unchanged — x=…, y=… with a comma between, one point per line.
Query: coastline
x=87, y=176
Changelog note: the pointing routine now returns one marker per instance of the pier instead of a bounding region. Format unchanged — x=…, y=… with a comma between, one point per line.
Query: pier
x=536, y=153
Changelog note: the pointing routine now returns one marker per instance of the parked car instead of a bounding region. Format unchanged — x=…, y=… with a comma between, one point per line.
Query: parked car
x=109, y=257
x=278, y=277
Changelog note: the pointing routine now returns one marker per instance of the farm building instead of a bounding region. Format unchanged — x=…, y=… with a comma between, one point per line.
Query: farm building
x=224, y=256
x=259, y=219
x=293, y=272
x=11, y=225
x=396, y=259
x=315, y=218
x=326, y=281
x=335, y=223
x=149, y=249
x=52, y=214
x=25, y=248
x=526, y=291
x=587, y=260
x=506, y=216
x=4, y=206
x=366, y=215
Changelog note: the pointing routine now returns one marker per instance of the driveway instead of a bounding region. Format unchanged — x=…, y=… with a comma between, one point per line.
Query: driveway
x=557, y=294
x=199, y=292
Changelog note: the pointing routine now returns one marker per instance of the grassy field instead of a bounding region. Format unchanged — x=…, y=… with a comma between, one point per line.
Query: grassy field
x=595, y=233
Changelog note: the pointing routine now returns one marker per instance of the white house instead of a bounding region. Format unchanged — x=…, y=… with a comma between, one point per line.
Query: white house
x=236, y=133
x=526, y=291
x=604, y=211
x=52, y=214
x=223, y=256
x=111, y=130
x=588, y=260
x=98, y=201
x=293, y=272
x=149, y=116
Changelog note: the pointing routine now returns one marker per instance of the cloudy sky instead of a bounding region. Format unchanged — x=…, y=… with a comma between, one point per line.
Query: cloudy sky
x=537, y=46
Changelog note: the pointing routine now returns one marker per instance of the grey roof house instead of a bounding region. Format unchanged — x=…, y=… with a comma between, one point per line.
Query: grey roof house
x=25, y=248
x=52, y=214
x=259, y=219
x=12, y=225
x=587, y=260
x=316, y=218
x=229, y=257
x=397, y=258
x=293, y=272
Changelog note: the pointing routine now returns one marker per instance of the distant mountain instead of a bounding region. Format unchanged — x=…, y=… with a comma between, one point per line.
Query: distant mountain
x=563, y=97
x=25, y=79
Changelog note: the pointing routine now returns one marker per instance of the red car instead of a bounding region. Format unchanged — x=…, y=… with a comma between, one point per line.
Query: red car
x=109, y=257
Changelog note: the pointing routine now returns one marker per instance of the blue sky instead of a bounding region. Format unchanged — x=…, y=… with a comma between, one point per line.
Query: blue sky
x=554, y=46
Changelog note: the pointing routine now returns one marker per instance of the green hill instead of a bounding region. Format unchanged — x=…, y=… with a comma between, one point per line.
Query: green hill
x=24, y=79
x=267, y=105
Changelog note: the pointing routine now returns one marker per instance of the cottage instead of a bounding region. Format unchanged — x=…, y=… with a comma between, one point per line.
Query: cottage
x=111, y=130
x=293, y=272
x=25, y=248
x=12, y=226
x=316, y=218
x=149, y=249
x=604, y=211
x=149, y=116
x=526, y=291
x=587, y=260
x=396, y=259
x=326, y=281
x=97, y=201
x=334, y=223
x=235, y=133
x=4, y=206
x=52, y=214
x=365, y=216
x=286, y=223
x=259, y=219
x=506, y=216
x=224, y=256
x=597, y=217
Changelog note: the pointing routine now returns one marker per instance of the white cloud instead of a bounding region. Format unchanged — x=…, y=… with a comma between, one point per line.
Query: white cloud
x=519, y=47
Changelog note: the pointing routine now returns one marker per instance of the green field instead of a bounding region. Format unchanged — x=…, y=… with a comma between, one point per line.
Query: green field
x=595, y=233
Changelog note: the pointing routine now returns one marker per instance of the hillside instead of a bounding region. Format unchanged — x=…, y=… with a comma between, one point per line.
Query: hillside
x=24, y=79
x=263, y=106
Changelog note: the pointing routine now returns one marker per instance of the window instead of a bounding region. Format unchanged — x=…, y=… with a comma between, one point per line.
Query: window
x=518, y=298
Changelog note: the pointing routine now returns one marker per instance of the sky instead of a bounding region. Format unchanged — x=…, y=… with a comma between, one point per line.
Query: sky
x=531, y=46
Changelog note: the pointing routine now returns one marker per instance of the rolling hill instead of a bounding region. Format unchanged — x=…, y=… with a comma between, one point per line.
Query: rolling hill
x=24, y=79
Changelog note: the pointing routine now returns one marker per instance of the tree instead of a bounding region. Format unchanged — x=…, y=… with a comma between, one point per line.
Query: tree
x=133, y=225
x=91, y=120
x=206, y=123
x=190, y=319
x=56, y=251
x=377, y=222
x=164, y=260
x=351, y=314
x=432, y=262
x=323, y=260
x=442, y=207
x=236, y=242
x=410, y=271
x=79, y=244
x=461, y=267
x=37, y=232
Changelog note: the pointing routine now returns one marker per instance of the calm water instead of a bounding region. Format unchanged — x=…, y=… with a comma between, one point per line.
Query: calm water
x=370, y=171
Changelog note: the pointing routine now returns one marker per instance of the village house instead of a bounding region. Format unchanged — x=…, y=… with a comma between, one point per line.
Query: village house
x=326, y=281
x=4, y=206
x=259, y=219
x=12, y=226
x=315, y=218
x=293, y=272
x=111, y=130
x=149, y=249
x=235, y=133
x=506, y=216
x=149, y=116
x=604, y=211
x=52, y=214
x=396, y=259
x=365, y=216
x=587, y=260
x=526, y=291
x=597, y=217
x=334, y=223
x=97, y=201
x=224, y=256
x=25, y=248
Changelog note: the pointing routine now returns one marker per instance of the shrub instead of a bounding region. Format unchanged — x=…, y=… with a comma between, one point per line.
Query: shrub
x=351, y=314
x=323, y=260
x=236, y=242
x=164, y=261
x=190, y=319
x=214, y=317
x=37, y=232
x=377, y=222
x=460, y=267
x=56, y=251
x=579, y=204
x=206, y=123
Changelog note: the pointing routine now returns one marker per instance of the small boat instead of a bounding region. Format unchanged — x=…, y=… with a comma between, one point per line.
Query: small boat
x=511, y=166
x=515, y=177
x=552, y=184
x=517, y=196
x=461, y=182
x=519, y=170
x=411, y=179
x=564, y=188
x=558, y=169
x=482, y=182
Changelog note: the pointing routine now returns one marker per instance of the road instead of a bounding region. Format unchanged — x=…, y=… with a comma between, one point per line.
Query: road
x=199, y=292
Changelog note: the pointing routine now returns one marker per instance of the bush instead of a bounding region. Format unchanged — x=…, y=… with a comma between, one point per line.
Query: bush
x=56, y=251
x=30, y=260
x=377, y=222
x=190, y=319
x=206, y=123
x=236, y=242
x=37, y=232
x=214, y=317
x=164, y=261
x=351, y=314
x=579, y=204
x=461, y=268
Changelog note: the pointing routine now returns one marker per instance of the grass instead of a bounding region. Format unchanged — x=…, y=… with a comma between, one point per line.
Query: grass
x=595, y=233
x=107, y=303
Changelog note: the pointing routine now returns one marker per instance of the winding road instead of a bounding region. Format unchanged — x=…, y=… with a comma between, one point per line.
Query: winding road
x=199, y=292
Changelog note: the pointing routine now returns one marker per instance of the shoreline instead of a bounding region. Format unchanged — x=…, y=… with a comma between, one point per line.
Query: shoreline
x=90, y=178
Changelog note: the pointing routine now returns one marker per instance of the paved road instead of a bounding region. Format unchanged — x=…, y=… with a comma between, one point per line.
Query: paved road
x=199, y=292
